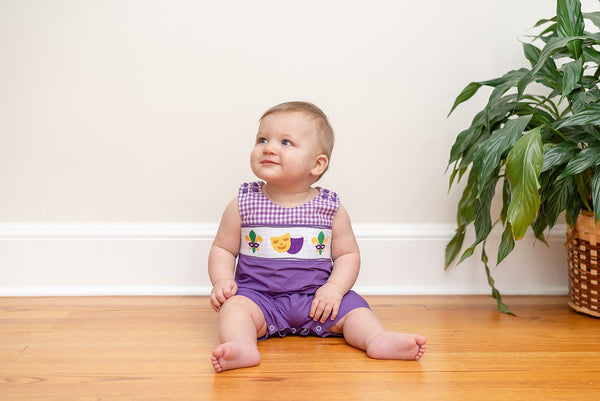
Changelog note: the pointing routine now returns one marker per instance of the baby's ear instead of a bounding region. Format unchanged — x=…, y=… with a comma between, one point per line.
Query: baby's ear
x=321, y=163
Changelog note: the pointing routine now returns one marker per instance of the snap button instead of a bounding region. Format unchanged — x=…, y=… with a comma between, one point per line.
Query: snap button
x=318, y=328
x=271, y=328
x=304, y=332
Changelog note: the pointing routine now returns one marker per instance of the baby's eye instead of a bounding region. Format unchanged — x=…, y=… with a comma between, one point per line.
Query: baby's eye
x=286, y=142
x=261, y=140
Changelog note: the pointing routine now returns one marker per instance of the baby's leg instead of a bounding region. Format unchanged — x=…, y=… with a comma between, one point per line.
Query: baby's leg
x=240, y=323
x=362, y=329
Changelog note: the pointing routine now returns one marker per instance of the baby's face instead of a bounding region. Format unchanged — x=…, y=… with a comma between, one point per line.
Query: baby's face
x=286, y=149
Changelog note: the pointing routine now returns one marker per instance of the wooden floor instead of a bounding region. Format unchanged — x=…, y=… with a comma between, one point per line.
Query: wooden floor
x=157, y=348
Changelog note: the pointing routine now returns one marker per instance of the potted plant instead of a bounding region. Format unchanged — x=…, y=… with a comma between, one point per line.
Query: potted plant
x=540, y=141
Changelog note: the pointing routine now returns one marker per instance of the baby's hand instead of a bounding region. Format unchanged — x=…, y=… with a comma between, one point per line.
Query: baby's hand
x=221, y=292
x=326, y=302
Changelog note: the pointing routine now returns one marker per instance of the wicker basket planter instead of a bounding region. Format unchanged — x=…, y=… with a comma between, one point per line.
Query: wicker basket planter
x=583, y=247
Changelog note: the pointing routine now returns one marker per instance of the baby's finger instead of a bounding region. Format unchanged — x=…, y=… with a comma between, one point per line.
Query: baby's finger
x=313, y=308
x=322, y=312
x=233, y=290
x=334, y=312
x=220, y=296
x=318, y=311
x=326, y=313
x=216, y=305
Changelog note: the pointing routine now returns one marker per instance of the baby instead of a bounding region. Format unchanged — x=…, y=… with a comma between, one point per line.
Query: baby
x=297, y=257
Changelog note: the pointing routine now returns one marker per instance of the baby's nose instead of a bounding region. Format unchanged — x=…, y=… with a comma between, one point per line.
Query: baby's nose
x=269, y=148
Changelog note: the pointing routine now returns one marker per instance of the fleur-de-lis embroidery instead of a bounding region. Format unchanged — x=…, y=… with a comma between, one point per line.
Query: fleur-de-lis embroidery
x=320, y=242
x=253, y=241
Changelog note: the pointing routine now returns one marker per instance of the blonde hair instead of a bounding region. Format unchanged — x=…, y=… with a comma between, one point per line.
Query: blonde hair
x=325, y=130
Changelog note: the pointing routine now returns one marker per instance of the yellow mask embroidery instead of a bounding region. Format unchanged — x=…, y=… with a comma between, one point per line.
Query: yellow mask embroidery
x=282, y=243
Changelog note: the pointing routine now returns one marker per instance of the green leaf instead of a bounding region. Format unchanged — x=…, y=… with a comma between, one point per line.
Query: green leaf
x=548, y=75
x=594, y=17
x=489, y=153
x=467, y=254
x=523, y=167
x=544, y=21
x=475, y=209
x=507, y=243
x=559, y=154
x=595, y=186
x=483, y=219
x=586, y=158
x=524, y=81
x=572, y=75
x=466, y=94
x=464, y=141
x=467, y=204
x=501, y=85
x=579, y=101
x=454, y=245
x=546, y=179
x=589, y=115
x=481, y=216
x=532, y=53
x=539, y=225
x=505, y=200
x=501, y=306
x=548, y=33
x=593, y=38
x=573, y=209
x=592, y=55
x=509, y=80
x=552, y=46
x=570, y=23
x=558, y=199
x=578, y=134
x=583, y=189
x=455, y=172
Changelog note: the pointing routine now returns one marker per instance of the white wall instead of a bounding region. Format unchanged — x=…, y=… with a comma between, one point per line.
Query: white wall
x=143, y=113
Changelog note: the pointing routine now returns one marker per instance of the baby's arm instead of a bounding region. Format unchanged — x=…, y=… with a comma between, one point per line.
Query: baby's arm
x=346, y=264
x=222, y=256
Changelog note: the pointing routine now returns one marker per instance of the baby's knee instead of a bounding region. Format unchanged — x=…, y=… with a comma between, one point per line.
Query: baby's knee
x=244, y=305
x=237, y=302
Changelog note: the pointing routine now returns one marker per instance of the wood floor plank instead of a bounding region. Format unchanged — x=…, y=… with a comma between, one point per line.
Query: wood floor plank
x=157, y=348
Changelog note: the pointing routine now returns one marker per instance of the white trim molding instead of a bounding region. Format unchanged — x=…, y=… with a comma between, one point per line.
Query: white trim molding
x=170, y=259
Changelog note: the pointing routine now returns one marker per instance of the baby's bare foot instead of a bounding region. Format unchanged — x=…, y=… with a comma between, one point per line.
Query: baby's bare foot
x=233, y=355
x=391, y=345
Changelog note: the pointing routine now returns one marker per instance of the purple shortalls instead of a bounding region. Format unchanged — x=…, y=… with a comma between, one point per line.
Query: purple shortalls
x=285, y=256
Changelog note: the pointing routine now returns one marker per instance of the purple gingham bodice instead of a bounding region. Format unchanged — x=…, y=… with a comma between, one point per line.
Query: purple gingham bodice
x=256, y=209
x=284, y=250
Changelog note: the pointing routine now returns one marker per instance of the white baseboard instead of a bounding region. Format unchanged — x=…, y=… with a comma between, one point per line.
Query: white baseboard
x=170, y=259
